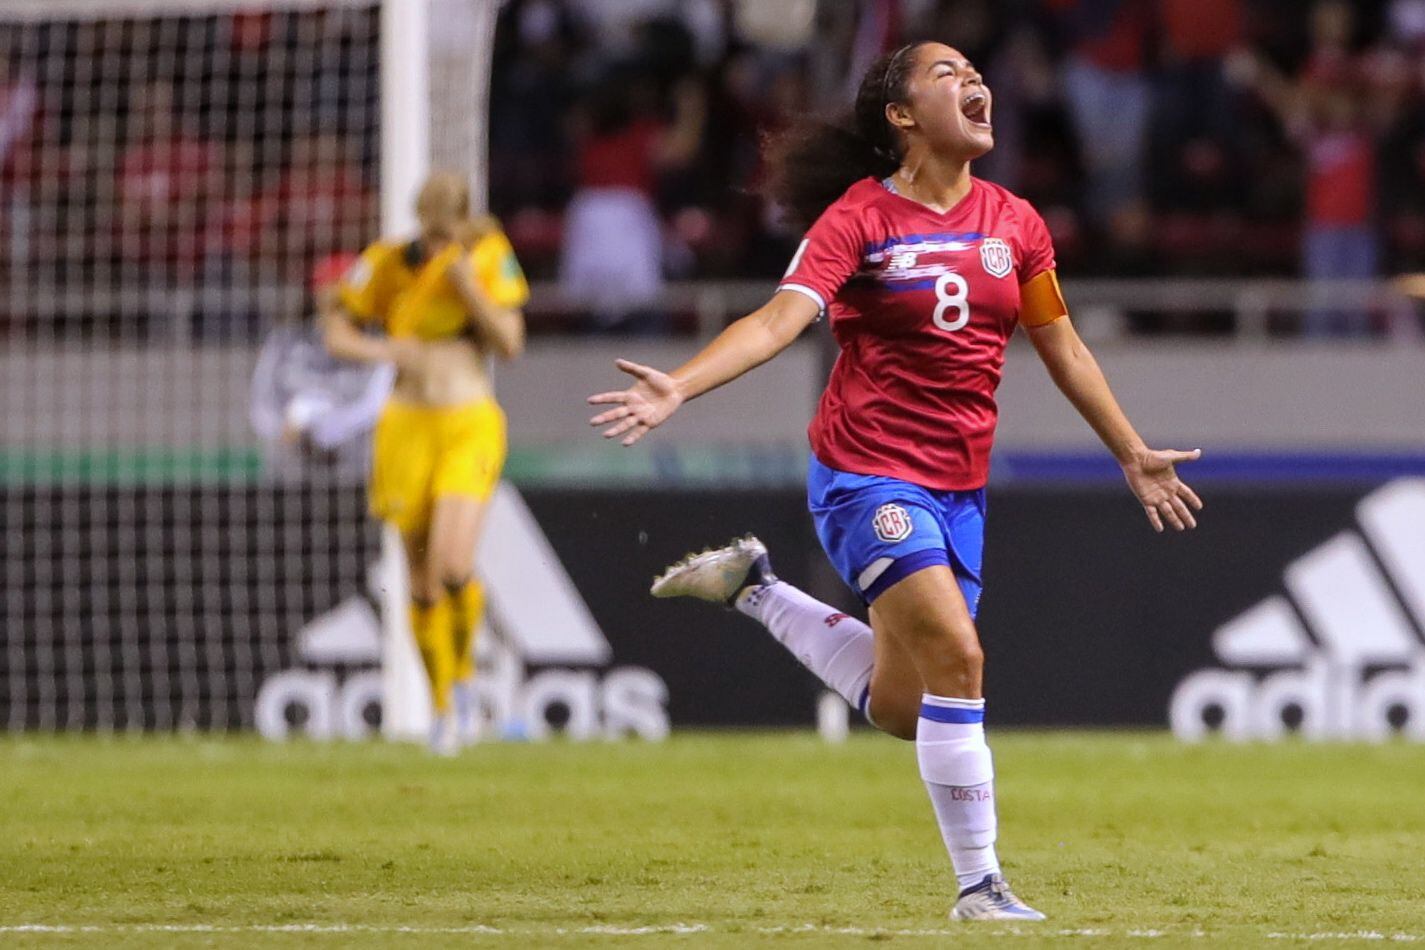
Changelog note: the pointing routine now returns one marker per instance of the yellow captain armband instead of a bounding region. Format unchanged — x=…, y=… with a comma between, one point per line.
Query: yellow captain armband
x=1041, y=302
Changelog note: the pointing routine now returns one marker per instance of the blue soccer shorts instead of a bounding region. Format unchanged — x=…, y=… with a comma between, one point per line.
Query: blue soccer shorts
x=878, y=530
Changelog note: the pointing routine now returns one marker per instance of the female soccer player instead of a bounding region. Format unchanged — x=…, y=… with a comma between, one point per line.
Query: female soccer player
x=925, y=272
x=446, y=301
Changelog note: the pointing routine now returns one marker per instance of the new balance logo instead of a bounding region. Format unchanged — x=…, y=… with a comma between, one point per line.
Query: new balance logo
x=1339, y=656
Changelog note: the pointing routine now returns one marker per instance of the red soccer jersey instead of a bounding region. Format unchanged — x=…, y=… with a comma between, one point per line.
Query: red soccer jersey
x=922, y=305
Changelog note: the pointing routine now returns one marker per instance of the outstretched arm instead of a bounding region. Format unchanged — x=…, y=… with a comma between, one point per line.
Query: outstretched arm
x=744, y=345
x=1149, y=472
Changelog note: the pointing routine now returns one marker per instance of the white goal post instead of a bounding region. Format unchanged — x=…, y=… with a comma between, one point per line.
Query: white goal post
x=434, y=114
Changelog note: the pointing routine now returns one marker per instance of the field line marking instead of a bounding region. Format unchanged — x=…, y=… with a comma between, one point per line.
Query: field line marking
x=1362, y=936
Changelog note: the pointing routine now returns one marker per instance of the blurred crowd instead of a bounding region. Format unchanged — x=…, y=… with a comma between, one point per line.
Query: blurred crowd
x=216, y=153
x=1158, y=137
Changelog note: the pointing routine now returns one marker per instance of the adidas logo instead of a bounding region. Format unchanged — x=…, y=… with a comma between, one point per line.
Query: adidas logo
x=1341, y=656
x=327, y=705
x=541, y=656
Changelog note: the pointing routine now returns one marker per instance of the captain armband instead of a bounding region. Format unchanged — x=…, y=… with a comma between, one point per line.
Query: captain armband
x=1041, y=302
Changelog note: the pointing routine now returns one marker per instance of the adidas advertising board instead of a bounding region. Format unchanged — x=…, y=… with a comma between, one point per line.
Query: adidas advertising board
x=534, y=618
x=1338, y=655
x=1089, y=618
x=556, y=598
x=1294, y=608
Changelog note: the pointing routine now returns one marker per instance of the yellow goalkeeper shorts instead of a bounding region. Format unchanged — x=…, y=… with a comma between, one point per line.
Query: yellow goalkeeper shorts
x=421, y=453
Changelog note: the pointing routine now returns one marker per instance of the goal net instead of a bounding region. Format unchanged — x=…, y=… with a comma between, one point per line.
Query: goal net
x=171, y=172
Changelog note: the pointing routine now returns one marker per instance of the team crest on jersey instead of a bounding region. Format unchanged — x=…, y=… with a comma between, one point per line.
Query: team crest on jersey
x=892, y=523
x=996, y=256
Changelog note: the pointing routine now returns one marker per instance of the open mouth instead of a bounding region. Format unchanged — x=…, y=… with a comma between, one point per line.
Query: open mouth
x=976, y=108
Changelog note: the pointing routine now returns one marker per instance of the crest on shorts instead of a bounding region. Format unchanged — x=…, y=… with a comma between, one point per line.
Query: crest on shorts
x=996, y=256
x=892, y=523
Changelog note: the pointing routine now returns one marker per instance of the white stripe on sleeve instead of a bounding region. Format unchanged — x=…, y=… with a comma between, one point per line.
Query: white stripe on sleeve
x=806, y=292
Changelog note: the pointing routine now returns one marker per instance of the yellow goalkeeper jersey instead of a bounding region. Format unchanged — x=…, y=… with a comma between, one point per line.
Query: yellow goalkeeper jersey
x=391, y=286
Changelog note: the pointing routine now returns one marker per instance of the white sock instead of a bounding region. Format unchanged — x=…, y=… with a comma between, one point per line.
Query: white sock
x=838, y=648
x=959, y=774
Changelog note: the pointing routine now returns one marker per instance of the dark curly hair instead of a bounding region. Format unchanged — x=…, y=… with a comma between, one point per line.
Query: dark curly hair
x=815, y=161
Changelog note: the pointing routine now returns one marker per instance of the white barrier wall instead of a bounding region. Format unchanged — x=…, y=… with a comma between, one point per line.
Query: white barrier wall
x=1242, y=396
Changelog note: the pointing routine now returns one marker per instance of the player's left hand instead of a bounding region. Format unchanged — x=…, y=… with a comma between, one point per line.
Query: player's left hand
x=1164, y=497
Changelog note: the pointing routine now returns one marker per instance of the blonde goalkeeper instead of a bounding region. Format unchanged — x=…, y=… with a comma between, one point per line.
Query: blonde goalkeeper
x=442, y=302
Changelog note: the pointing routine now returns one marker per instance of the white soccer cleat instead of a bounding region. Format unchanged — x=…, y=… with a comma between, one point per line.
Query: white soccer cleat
x=467, y=713
x=718, y=575
x=444, y=740
x=991, y=899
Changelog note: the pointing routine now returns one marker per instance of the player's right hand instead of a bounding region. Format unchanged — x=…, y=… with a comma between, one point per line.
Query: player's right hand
x=643, y=406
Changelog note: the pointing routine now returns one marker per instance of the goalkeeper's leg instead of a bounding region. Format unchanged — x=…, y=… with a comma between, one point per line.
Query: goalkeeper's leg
x=430, y=626
x=467, y=604
x=455, y=530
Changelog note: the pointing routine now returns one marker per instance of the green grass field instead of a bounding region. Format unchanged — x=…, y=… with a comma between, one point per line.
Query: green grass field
x=713, y=840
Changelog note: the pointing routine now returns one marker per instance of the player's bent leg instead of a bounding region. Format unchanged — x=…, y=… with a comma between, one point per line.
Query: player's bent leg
x=425, y=603
x=925, y=612
x=430, y=622
x=456, y=524
x=835, y=646
x=468, y=607
x=417, y=545
x=467, y=610
x=454, y=529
